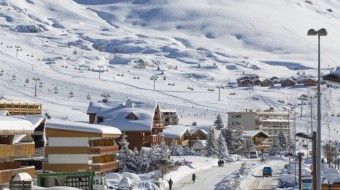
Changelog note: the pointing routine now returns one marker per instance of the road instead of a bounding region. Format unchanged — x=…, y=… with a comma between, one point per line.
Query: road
x=206, y=179
x=260, y=182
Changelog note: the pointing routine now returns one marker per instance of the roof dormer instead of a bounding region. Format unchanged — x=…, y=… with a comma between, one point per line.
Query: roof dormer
x=131, y=116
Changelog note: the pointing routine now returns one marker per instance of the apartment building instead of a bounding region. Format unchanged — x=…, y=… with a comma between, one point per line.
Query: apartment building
x=15, y=143
x=75, y=146
x=270, y=121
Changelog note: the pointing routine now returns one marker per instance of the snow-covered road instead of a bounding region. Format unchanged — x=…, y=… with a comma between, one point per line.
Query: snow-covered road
x=206, y=179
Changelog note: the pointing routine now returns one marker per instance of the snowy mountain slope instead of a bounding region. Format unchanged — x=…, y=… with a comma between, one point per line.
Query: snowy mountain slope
x=192, y=45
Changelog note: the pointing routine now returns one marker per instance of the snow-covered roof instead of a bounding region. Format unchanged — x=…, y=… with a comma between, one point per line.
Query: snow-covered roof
x=83, y=127
x=34, y=119
x=3, y=112
x=199, y=144
x=22, y=176
x=251, y=133
x=11, y=125
x=168, y=110
x=95, y=107
x=117, y=116
x=174, y=131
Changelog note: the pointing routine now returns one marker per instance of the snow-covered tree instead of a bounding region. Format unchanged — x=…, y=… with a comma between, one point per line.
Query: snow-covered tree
x=175, y=149
x=126, y=157
x=250, y=146
x=189, y=151
x=275, y=147
x=228, y=136
x=211, y=146
x=291, y=144
x=218, y=122
x=222, y=149
x=282, y=142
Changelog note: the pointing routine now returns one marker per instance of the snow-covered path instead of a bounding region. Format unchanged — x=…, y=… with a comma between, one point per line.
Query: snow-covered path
x=206, y=179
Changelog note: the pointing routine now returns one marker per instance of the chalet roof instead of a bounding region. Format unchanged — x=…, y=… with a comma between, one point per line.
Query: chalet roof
x=34, y=119
x=252, y=133
x=95, y=107
x=174, y=131
x=116, y=116
x=10, y=125
x=168, y=110
x=199, y=144
x=81, y=127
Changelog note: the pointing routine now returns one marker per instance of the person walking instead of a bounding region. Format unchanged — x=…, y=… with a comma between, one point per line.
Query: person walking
x=193, y=177
x=170, y=183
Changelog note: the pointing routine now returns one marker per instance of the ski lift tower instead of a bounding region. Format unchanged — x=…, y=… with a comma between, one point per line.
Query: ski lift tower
x=36, y=79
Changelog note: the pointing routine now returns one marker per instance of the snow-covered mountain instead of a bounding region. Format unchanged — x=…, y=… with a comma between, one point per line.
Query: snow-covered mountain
x=188, y=44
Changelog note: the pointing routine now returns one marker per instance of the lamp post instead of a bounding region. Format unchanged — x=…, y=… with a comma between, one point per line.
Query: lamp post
x=320, y=32
x=36, y=79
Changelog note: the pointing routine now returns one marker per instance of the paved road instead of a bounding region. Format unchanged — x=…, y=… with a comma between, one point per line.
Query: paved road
x=206, y=179
x=260, y=182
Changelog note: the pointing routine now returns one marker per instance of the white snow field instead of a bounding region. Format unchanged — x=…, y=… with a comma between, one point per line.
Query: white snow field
x=82, y=50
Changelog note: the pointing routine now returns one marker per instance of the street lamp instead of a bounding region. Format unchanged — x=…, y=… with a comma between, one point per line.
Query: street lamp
x=299, y=157
x=36, y=79
x=321, y=32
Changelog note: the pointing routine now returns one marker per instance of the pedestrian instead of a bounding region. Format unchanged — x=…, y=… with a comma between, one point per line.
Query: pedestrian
x=193, y=177
x=170, y=184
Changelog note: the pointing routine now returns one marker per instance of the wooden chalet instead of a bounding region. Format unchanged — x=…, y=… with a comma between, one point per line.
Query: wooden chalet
x=169, y=117
x=140, y=121
x=15, y=143
x=75, y=146
x=179, y=133
x=258, y=137
x=266, y=83
x=309, y=82
x=288, y=82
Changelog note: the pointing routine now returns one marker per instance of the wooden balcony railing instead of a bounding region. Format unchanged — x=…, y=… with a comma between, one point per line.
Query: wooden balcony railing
x=258, y=139
x=104, y=150
x=102, y=167
x=153, y=139
x=6, y=175
x=16, y=150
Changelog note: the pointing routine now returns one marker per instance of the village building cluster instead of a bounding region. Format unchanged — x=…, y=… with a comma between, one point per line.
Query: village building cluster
x=30, y=140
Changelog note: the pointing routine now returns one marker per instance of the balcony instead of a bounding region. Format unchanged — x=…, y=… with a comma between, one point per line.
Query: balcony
x=103, y=167
x=16, y=150
x=6, y=175
x=157, y=124
x=153, y=139
x=104, y=150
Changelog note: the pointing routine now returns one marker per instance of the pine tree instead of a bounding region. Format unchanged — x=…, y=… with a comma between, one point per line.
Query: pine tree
x=275, y=147
x=250, y=146
x=218, y=122
x=211, y=146
x=228, y=136
x=175, y=149
x=282, y=142
x=126, y=157
x=222, y=150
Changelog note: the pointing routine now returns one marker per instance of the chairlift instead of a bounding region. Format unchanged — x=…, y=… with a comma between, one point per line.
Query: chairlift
x=173, y=84
x=55, y=90
x=138, y=77
x=134, y=77
x=41, y=84
x=14, y=77
x=88, y=97
x=71, y=94
x=27, y=80
x=232, y=93
x=122, y=74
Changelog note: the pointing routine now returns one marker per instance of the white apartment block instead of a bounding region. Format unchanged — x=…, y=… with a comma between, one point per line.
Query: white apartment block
x=269, y=121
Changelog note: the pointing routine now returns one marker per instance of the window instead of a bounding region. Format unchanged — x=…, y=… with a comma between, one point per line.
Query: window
x=131, y=116
x=236, y=116
x=166, y=119
x=235, y=123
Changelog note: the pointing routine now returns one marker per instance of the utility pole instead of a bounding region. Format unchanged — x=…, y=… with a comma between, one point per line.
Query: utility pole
x=219, y=92
x=36, y=79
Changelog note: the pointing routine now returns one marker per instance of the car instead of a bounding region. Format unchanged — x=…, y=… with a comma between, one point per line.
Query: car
x=267, y=171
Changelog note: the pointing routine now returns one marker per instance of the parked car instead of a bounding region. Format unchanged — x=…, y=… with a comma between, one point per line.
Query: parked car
x=267, y=171
x=253, y=154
